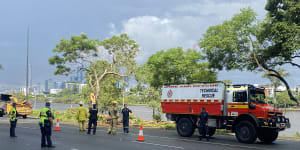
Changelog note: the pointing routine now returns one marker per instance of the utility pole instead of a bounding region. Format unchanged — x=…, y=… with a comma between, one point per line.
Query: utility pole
x=27, y=61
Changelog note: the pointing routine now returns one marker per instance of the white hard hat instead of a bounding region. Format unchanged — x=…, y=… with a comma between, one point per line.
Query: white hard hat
x=81, y=102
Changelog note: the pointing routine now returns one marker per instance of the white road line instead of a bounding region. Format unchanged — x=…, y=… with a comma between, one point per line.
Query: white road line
x=158, y=144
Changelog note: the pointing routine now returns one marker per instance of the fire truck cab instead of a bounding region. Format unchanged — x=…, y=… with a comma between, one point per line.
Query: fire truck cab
x=238, y=108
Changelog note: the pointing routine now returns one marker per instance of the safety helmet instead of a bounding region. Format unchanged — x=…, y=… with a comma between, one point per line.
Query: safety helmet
x=81, y=103
x=114, y=102
x=47, y=103
x=14, y=104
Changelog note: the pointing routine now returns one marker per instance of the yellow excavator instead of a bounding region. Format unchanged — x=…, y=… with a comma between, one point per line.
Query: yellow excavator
x=23, y=108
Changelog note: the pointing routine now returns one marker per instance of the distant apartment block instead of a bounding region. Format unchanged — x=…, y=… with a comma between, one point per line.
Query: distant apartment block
x=75, y=87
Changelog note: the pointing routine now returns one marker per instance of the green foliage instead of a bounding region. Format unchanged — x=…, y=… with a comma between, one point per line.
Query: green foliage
x=73, y=54
x=123, y=51
x=68, y=96
x=156, y=117
x=108, y=90
x=241, y=43
x=102, y=69
x=297, y=135
x=228, y=45
x=68, y=115
x=177, y=66
x=283, y=100
x=281, y=31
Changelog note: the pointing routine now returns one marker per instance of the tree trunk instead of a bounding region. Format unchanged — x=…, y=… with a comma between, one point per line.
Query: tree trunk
x=274, y=73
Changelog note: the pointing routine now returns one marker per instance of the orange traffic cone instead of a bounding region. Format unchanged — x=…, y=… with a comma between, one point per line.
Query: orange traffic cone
x=57, y=128
x=141, y=135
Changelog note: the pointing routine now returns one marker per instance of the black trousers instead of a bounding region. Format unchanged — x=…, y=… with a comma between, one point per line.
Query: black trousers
x=94, y=123
x=46, y=135
x=13, y=125
x=126, y=125
x=203, y=128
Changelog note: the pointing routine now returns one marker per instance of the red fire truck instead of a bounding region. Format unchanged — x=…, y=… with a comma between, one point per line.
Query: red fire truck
x=239, y=108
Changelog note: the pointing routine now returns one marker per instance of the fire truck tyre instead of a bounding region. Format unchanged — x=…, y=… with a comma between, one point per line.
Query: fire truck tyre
x=212, y=131
x=267, y=135
x=1, y=113
x=185, y=127
x=24, y=116
x=245, y=132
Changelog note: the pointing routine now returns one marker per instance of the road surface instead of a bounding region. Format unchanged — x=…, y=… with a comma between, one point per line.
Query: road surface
x=69, y=138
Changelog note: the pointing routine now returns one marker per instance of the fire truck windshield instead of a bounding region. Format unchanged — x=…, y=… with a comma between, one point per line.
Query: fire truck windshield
x=257, y=96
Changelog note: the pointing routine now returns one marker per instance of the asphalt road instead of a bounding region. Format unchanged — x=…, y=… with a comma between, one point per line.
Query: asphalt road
x=69, y=138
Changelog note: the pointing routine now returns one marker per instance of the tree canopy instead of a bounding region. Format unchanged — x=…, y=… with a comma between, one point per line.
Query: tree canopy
x=243, y=43
x=177, y=66
x=97, y=58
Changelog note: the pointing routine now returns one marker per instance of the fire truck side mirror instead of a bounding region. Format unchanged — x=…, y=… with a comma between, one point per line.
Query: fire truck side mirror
x=251, y=106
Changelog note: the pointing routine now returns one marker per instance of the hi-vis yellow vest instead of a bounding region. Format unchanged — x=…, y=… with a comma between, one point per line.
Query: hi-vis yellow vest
x=43, y=115
x=12, y=114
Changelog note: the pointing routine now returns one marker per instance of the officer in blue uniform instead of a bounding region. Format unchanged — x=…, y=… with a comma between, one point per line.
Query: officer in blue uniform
x=125, y=112
x=93, y=119
x=203, y=124
x=46, y=124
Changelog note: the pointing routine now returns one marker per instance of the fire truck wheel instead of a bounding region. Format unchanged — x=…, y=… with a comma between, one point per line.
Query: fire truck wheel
x=212, y=131
x=185, y=127
x=267, y=135
x=245, y=132
x=24, y=116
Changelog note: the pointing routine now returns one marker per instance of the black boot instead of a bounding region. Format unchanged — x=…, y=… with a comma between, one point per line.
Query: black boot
x=200, y=138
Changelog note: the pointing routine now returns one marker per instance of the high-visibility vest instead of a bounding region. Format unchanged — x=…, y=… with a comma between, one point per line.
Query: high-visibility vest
x=43, y=115
x=12, y=114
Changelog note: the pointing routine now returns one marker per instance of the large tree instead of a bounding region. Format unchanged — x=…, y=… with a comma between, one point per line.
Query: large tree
x=108, y=89
x=82, y=53
x=177, y=66
x=237, y=44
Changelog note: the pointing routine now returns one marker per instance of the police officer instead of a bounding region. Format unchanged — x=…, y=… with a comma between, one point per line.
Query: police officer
x=125, y=114
x=203, y=124
x=81, y=116
x=113, y=113
x=93, y=119
x=13, y=120
x=46, y=124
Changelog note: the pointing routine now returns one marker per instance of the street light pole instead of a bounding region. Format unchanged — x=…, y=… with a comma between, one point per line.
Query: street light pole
x=27, y=61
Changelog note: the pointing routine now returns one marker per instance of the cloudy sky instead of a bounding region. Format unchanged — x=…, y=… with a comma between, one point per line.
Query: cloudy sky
x=154, y=24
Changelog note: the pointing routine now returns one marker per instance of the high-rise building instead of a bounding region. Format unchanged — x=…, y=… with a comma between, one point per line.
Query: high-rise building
x=49, y=84
x=80, y=76
x=59, y=85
